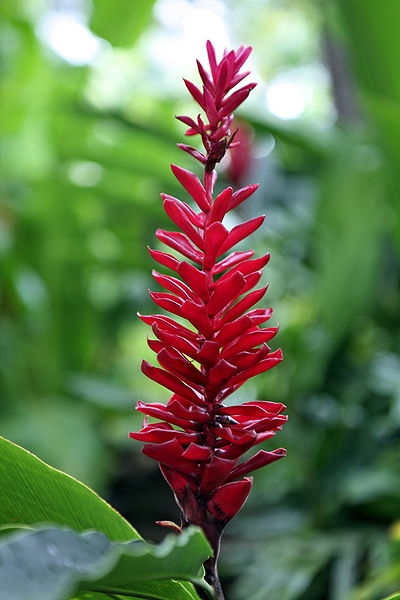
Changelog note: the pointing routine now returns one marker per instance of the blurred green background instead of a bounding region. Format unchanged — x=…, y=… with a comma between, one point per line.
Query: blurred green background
x=89, y=92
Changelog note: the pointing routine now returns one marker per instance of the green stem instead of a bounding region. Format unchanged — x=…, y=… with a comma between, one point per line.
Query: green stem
x=212, y=578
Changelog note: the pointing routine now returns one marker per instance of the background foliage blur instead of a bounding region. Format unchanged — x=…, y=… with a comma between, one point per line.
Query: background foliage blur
x=89, y=91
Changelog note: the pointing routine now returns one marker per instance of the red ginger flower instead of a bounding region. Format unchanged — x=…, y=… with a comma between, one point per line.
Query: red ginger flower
x=200, y=440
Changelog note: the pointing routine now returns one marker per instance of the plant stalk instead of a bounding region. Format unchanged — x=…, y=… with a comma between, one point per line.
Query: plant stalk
x=212, y=578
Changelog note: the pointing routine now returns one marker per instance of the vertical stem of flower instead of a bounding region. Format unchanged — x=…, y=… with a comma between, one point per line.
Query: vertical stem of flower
x=212, y=578
x=210, y=566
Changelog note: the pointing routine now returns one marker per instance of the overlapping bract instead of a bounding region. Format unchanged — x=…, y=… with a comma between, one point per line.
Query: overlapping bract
x=199, y=441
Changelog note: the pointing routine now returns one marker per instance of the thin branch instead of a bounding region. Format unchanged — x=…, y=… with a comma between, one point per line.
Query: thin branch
x=343, y=85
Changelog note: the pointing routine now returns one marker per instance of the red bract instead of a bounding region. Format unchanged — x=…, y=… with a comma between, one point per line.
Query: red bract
x=200, y=442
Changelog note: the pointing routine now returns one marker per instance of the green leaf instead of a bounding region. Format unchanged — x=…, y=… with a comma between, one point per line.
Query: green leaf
x=52, y=563
x=33, y=492
x=375, y=53
x=157, y=590
x=374, y=30
x=60, y=428
x=351, y=190
x=295, y=135
x=165, y=590
x=279, y=569
x=378, y=584
x=153, y=590
x=176, y=557
x=120, y=22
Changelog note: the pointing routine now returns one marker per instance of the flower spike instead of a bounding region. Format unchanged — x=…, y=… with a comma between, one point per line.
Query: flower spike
x=198, y=440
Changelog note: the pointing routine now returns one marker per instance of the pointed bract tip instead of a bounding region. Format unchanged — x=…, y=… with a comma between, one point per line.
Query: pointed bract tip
x=145, y=364
x=170, y=525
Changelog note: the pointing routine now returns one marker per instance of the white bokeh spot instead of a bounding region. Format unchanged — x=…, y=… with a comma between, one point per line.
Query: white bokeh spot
x=286, y=99
x=69, y=37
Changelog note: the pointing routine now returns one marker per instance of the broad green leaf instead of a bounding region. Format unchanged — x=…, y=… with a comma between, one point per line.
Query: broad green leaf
x=375, y=43
x=375, y=53
x=309, y=142
x=350, y=193
x=60, y=428
x=120, y=22
x=12, y=527
x=157, y=590
x=386, y=113
x=351, y=188
x=33, y=492
x=380, y=583
x=281, y=568
x=52, y=563
x=47, y=564
x=175, y=557
x=160, y=596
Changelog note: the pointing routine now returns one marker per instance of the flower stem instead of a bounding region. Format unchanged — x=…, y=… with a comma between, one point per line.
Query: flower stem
x=212, y=578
